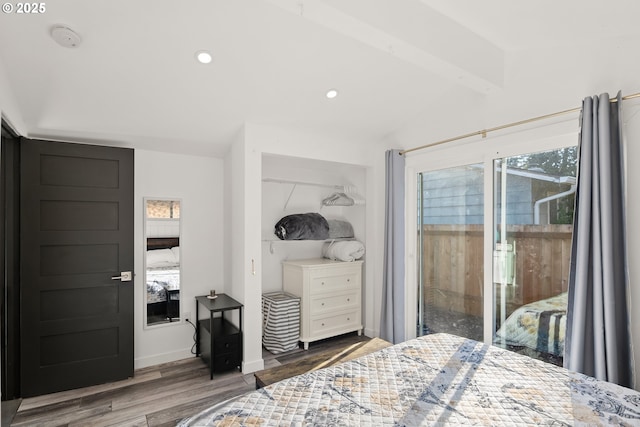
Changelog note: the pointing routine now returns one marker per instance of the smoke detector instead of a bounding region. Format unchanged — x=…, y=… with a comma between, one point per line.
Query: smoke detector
x=65, y=36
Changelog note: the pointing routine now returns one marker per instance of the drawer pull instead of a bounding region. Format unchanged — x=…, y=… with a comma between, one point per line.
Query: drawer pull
x=323, y=304
x=348, y=299
x=348, y=318
x=323, y=324
x=226, y=345
x=348, y=280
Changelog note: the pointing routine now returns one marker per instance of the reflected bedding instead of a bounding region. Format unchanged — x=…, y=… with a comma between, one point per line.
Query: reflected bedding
x=159, y=281
x=539, y=325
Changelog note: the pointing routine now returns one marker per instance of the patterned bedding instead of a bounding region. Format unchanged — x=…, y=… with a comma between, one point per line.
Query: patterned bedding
x=539, y=325
x=159, y=281
x=437, y=379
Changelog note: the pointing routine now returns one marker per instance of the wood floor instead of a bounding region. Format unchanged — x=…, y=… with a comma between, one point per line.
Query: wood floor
x=156, y=396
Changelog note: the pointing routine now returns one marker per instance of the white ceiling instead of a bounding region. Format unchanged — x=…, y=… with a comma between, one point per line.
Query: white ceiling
x=134, y=80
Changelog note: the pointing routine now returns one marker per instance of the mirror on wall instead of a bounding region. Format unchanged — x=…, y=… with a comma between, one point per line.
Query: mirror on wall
x=162, y=261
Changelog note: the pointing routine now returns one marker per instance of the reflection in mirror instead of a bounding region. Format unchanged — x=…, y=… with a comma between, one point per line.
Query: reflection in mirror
x=162, y=261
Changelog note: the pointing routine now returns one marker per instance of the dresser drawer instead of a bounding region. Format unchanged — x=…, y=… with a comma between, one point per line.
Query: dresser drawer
x=334, y=302
x=344, y=321
x=322, y=284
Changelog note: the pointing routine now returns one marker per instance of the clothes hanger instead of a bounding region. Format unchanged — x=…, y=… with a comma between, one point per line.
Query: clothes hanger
x=338, y=199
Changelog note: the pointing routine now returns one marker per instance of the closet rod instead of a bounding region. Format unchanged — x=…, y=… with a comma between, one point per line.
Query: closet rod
x=313, y=184
x=521, y=122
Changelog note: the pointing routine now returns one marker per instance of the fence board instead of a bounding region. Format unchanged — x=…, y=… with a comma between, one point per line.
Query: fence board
x=453, y=265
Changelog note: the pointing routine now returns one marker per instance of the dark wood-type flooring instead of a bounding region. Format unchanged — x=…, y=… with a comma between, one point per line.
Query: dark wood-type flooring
x=160, y=395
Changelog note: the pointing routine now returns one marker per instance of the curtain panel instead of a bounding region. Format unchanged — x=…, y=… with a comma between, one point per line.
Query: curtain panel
x=598, y=340
x=393, y=289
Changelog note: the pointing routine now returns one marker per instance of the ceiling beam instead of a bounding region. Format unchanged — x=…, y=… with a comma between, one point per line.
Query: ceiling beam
x=413, y=32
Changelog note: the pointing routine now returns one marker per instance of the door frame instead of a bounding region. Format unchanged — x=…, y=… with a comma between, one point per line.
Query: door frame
x=558, y=134
x=10, y=261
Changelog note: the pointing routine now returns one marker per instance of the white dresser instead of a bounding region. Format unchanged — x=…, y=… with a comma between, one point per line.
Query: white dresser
x=330, y=296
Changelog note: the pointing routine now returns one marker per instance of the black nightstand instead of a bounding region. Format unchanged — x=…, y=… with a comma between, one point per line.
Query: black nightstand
x=218, y=341
x=173, y=304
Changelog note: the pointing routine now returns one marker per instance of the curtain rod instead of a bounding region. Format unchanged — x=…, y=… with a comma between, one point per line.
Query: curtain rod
x=493, y=129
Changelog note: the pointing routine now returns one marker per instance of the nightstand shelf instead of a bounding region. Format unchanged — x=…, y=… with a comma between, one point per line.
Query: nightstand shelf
x=218, y=341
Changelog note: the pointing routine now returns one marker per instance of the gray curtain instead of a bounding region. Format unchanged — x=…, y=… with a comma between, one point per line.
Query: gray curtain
x=392, y=318
x=598, y=339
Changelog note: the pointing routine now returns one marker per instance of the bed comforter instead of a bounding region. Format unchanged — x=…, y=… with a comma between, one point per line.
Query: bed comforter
x=438, y=379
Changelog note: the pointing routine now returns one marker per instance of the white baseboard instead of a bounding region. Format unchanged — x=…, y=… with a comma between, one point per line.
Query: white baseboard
x=253, y=366
x=157, y=359
x=371, y=333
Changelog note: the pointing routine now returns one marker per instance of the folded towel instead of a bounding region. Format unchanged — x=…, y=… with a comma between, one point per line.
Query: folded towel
x=346, y=250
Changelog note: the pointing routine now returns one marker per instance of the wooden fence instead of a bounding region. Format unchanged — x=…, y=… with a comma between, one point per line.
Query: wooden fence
x=453, y=265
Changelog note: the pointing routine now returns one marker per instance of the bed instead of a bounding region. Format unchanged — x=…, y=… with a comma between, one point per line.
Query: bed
x=163, y=277
x=538, y=326
x=437, y=379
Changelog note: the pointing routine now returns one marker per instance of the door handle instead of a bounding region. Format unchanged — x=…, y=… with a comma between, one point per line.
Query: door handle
x=125, y=276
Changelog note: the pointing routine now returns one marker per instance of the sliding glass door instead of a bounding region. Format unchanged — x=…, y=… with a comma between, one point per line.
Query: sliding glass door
x=450, y=248
x=533, y=214
x=525, y=204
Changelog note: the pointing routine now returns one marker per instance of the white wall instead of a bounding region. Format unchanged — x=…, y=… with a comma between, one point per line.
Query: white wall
x=198, y=183
x=244, y=257
x=8, y=105
x=631, y=117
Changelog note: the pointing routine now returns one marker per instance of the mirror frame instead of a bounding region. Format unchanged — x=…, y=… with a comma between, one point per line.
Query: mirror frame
x=145, y=236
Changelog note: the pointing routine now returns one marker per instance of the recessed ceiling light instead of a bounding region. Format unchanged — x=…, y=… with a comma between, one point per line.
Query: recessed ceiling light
x=203, y=57
x=332, y=93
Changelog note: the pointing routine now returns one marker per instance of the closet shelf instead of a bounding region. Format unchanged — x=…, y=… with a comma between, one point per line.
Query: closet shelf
x=272, y=242
x=309, y=240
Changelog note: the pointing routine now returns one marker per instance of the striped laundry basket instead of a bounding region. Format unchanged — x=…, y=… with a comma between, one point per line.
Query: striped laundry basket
x=280, y=321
